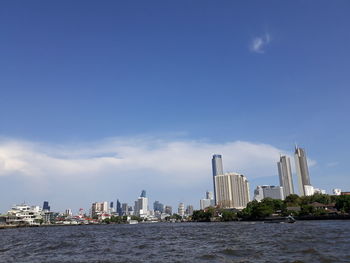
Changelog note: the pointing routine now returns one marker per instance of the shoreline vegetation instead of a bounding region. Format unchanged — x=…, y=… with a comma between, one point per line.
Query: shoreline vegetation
x=315, y=207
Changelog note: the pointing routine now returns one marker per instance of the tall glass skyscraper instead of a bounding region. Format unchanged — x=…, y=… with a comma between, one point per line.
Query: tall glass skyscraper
x=217, y=169
x=302, y=171
x=285, y=175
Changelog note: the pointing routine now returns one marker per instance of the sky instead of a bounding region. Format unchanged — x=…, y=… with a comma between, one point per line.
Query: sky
x=100, y=100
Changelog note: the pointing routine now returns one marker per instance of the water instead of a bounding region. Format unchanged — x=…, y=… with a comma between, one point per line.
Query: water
x=304, y=241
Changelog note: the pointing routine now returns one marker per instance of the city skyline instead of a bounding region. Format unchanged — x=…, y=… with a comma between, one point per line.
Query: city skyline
x=100, y=101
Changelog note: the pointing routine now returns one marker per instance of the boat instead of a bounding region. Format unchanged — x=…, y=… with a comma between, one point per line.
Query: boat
x=286, y=219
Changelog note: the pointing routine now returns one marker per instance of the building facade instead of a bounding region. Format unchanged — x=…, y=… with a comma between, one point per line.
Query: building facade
x=302, y=172
x=268, y=191
x=232, y=190
x=181, y=209
x=217, y=167
x=285, y=175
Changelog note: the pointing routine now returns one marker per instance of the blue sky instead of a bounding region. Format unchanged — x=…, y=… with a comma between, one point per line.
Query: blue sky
x=76, y=74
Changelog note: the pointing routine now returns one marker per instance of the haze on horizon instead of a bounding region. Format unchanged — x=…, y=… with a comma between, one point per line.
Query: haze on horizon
x=101, y=100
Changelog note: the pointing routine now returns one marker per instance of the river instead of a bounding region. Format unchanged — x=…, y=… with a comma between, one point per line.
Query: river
x=303, y=241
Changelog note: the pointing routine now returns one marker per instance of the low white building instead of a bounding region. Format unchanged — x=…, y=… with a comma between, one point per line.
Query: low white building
x=24, y=214
x=309, y=190
x=264, y=191
x=319, y=191
x=337, y=191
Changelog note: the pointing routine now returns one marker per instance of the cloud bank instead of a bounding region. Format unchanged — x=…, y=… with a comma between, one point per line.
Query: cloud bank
x=171, y=170
x=258, y=44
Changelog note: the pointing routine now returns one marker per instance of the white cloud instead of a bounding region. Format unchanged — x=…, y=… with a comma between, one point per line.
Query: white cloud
x=180, y=158
x=170, y=169
x=258, y=44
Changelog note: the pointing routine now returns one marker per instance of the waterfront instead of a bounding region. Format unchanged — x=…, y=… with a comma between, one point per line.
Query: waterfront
x=306, y=241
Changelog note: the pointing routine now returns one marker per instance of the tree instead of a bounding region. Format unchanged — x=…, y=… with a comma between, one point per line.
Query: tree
x=343, y=203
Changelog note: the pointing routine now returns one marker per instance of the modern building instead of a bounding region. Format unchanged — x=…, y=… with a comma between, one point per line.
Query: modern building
x=143, y=193
x=118, y=208
x=68, y=212
x=285, y=175
x=99, y=208
x=46, y=206
x=302, y=172
x=141, y=207
x=232, y=190
x=168, y=210
x=24, y=214
x=157, y=206
x=125, y=210
x=336, y=191
x=208, y=201
x=217, y=167
x=189, y=210
x=181, y=209
x=319, y=191
x=265, y=191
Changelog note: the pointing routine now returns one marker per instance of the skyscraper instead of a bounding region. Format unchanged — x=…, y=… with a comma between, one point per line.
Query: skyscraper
x=232, y=190
x=302, y=171
x=217, y=170
x=46, y=206
x=285, y=175
x=143, y=193
x=119, y=208
x=181, y=209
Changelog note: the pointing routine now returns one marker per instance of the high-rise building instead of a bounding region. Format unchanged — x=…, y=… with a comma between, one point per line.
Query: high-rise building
x=285, y=175
x=189, y=210
x=168, y=210
x=302, y=171
x=181, y=209
x=157, y=206
x=143, y=193
x=141, y=207
x=46, y=206
x=68, y=212
x=232, y=190
x=118, y=208
x=208, y=201
x=99, y=208
x=217, y=167
x=265, y=191
x=125, y=209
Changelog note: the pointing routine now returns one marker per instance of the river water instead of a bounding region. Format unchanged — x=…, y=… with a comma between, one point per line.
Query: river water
x=304, y=241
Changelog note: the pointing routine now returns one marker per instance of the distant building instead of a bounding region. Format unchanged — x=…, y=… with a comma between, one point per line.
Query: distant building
x=125, y=209
x=319, y=191
x=68, y=212
x=141, y=207
x=168, y=210
x=308, y=190
x=24, y=214
x=232, y=190
x=302, y=172
x=99, y=208
x=345, y=193
x=217, y=170
x=189, y=210
x=118, y=208
x=285, y=175
x=336, y=191
x=208, y=201
x=46, y=206
x=181, y=209
x=157, y=206
x=143, y=193
x=265, y=191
